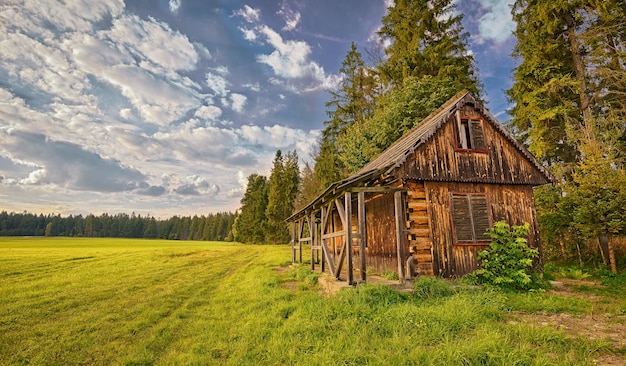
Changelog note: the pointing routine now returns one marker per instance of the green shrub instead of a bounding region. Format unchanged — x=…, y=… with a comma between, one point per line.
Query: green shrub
x=508, y=260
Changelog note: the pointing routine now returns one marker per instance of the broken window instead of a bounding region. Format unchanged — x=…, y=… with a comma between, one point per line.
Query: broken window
x=470, y=218
x=470, y=134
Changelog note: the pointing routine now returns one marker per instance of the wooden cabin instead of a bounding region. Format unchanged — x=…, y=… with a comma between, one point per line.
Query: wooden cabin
x=435, y=190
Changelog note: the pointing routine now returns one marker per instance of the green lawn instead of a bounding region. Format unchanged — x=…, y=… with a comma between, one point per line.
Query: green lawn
x=68, y=301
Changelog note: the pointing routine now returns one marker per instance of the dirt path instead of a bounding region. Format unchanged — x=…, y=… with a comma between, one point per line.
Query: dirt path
x=598, y=326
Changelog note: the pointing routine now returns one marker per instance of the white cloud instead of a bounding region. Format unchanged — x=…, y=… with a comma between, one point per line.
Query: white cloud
x=248, y=34
x=290, y=61
x=155, y=40
x=292, y=17
x=127, y=113
x=255, y=87
x=497, y=24
x=250, y=14
x=202, y=50
x=175, y=5
x=158, y=101
x=34, y=177
x=195, y=186
x=209, y=112
x=243, y=185
x=72, y=15
x=238, y=102
x=68, y=165
x=217, y=83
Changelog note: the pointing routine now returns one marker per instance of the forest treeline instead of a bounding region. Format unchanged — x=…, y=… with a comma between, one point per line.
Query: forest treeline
x=217, y=227
x=569, y=108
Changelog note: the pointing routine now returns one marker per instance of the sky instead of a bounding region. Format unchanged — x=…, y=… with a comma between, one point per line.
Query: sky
x=165, y=107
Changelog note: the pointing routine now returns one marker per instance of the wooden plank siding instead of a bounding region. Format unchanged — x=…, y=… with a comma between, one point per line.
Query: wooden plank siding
x=438, y=159
x=511, y=203
x=381, y=233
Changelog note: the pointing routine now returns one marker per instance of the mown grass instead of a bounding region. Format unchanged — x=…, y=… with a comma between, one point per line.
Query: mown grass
x=139, y=302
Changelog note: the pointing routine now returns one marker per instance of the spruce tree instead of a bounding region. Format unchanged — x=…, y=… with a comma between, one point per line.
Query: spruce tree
x=426, y=38
x=350, y=104
x=282, y=191
x=251, y=223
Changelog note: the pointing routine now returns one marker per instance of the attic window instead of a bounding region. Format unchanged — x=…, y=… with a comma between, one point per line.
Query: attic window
x=470, y=134
x=470, y=218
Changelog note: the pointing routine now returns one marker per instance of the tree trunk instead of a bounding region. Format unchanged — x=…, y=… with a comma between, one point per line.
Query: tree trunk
x=603, y=240
x=612, y=256
x=579, y=68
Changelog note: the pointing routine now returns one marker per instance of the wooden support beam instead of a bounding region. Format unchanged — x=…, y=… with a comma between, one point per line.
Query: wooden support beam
x=399, y=211
x=341, y=210
x=334, y=235
x=328, y=258
x=312, y=224
x=348, y=239
x=293, y=242
x=337, y=270
x=361, y=228
x=378, y=189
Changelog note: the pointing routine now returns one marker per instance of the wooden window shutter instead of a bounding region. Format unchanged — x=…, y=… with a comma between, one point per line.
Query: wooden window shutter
x=480, y=216
x=478, y=135
x=470, y=217
x=461, y=218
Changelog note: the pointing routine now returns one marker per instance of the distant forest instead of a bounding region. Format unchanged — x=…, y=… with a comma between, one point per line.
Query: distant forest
x=217, y=227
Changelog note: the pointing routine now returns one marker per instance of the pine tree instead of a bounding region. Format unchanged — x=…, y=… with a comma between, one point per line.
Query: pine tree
x=251, y=223
x=350, y=104
x=309, y=187
x=426, y=38
x=283, y=187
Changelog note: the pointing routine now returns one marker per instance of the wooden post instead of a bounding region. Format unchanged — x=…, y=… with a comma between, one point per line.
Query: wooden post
x=293, y=242
x=313, y=239
x=348, y=229
x=300, y=237
x=362, y=228
x=400, y=223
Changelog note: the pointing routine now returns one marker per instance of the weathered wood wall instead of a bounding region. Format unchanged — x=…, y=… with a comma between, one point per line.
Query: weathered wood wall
x=439, y=160
x=381, y=233
x=511, y=203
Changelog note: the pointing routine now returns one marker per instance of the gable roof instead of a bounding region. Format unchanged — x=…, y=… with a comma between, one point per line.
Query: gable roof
x=396, y=154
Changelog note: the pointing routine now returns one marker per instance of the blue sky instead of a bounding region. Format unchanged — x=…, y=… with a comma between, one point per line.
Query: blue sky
x=164, y=107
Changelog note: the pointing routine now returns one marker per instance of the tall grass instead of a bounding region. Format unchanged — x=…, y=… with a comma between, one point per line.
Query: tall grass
x=138, y=302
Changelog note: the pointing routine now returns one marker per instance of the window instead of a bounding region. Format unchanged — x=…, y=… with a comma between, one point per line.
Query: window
x=470, y=217
x=470, y=134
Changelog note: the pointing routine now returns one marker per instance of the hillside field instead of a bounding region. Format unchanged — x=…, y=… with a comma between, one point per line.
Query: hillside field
x=78, y=301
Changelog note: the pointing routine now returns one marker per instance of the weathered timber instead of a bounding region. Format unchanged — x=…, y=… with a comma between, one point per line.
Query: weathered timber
x=434, y=191
x=363, y=234
x=400, y=236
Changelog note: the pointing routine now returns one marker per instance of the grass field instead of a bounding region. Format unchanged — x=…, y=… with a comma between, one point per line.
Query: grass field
x=142, y=302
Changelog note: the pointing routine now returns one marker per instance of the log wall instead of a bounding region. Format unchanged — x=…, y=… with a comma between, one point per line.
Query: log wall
x=418, y=226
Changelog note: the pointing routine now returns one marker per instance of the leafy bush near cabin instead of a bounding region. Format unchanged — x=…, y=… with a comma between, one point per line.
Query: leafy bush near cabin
x=508, y=260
